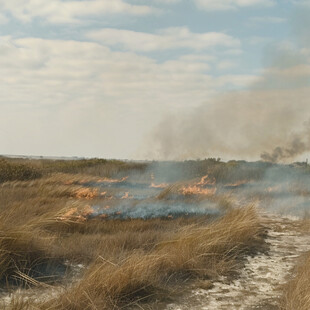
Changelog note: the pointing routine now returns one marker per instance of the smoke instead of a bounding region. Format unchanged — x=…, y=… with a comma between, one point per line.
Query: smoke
x=270, y=120
x=148, y=210
x=280, y=189
x=239, y=125
x=294, y=148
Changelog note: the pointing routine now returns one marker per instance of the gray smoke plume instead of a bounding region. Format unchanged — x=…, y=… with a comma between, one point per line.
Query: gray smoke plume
x=296, y=147
x=269, y=120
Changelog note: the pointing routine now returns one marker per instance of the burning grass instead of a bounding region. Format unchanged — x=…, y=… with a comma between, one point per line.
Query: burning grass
x=204, y=186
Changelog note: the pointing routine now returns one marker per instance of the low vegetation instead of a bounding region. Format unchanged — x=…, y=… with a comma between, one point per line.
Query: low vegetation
x=16, y=171
x=196, y=251
x=46, y=231
x=296, y=294
x=29, y=169
x=126, y=262
x=297, y=291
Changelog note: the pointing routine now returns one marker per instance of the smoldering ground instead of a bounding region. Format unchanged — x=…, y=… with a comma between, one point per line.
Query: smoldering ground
x=268, y=121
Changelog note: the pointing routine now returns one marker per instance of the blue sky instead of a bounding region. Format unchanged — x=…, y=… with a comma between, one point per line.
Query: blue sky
x=93, y=78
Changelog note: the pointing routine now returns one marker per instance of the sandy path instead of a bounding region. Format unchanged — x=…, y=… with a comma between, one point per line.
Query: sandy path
x=258, y=285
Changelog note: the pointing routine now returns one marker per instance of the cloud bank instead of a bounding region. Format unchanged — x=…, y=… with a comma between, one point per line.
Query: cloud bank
x=59, y=11
x=223, y=5
x=66, y=97
x=170, y=38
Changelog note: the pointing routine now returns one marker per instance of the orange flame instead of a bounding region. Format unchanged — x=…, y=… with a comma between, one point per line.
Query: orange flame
x=69, y=182
x=126, y=196
x=112, y=180
x=162, y=185
x=197, y=189
x=69, y=213
x=272, y=189
x=87, y=211
x=206, y=181
x=74, y=214
x=86, y=193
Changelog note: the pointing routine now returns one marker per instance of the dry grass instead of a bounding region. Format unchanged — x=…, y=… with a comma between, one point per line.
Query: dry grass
x=305, y=224
x=194, y=252
x=32, y=227
x=26, y=169
x=24, y=251
x=17, y=171
x=129, y=262
x=297, y=292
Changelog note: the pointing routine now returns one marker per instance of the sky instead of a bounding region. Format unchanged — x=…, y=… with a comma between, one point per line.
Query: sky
x=97, y=78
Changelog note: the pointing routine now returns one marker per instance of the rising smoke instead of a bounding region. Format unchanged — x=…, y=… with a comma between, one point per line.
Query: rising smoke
x=270, y=120
x=294, y=148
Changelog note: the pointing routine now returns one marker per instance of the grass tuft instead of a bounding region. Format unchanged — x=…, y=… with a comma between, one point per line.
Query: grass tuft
x=297, y=291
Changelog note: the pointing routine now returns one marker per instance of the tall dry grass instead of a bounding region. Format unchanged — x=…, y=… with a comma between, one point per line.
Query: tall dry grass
x=24, y=252
x=17, y=171
x=26, y=169
x=297, y=292
x=193, y=252
x=128, y=262
x=33, y=229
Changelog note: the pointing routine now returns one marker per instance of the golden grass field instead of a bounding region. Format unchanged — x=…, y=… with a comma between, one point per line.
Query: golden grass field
x=46, y=230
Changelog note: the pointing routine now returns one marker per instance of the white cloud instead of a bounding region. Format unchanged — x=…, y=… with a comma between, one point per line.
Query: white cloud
x=170, y=38
x=66, y=64
x=222, y=5
x=198, y=58
x=59, y=11
x=68, y=97
x=239, y=80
